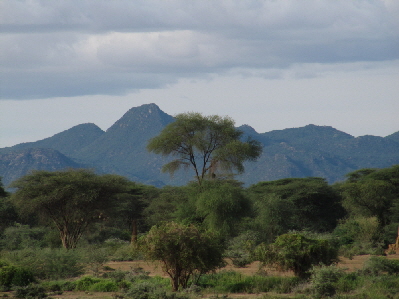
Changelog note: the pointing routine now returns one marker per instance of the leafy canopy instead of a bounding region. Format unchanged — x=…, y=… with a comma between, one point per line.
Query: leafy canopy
x=71, y=199
x=183, y=251
x=207, y=144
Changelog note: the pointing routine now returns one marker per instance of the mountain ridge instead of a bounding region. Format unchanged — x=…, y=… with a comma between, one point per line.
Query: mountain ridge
x=293, y=152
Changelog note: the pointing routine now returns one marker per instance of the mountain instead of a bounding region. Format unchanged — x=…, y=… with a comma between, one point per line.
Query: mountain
x=15, y=164
x=68, y=142
x=311, y=150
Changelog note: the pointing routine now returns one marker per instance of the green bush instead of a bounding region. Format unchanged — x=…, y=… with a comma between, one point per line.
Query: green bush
x=48, y=263
x=15, y=276
x=22, y=236
x=6, y=276
x=30, y=292
x=59, y=285
x=324, y=280
x=85, y=283
x=377, y=265
x=104, y=286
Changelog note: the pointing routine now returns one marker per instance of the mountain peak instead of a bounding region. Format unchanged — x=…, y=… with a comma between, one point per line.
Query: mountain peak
x=140, y=118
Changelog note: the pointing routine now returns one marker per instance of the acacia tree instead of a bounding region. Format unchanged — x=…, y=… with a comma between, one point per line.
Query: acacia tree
x=183, y=251
x=207, y=144
x=71, y=200
x=372, y=192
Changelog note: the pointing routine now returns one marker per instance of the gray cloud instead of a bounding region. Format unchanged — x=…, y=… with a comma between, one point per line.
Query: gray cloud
x=82, y=47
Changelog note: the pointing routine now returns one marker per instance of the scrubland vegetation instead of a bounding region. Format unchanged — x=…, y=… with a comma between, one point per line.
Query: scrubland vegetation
x=58, y=230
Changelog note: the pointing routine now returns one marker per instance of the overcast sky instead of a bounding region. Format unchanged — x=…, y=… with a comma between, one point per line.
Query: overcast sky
x=270, y=64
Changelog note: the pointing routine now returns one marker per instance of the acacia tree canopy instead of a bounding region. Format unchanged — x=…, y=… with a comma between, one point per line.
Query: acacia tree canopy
x=71, y=200
x=207, y=144
x=183, y=250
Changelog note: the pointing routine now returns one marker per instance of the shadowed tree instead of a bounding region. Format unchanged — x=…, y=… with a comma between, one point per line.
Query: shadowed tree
x=206, y=144
x=71, y=200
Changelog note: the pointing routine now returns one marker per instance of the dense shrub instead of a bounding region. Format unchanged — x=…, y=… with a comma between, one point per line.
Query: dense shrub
x=378, y=265
x=324, y=280
x=295, y=252
x=30, y=292
x=22, y=236
x=11, y=276
x=48, y=263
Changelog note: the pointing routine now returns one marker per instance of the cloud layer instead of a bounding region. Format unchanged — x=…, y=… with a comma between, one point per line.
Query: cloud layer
x=87, y=47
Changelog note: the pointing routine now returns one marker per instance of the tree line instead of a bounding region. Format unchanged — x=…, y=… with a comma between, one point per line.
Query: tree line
x=213, y=216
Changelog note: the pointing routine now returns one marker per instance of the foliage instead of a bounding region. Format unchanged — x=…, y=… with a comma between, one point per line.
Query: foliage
x=358, y=235
x=234, y=282
x=163, y=206
x=221, y=205
x=8, y=213
x=11, y=276
x=21, y=236
x=239, y=249
x=378, y=265
x=183, y=251
x=295, y=204
x=48, y=263
x=324, y=280
x=295, y=252
x=207, y=144
x=30, y=292
x=372, y=192
x=71, y=199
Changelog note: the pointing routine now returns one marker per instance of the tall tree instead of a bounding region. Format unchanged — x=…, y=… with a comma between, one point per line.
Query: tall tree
x=207, y=144
x=296, y=204
x=71, y=200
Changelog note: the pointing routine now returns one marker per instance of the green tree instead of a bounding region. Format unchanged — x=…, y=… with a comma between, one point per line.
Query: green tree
x=183, y=251
x=296, y=253
x=372, y=192
x=208, y=144
x=296, y=204
x=221, y=205
x=71, y=200
x=8, y=213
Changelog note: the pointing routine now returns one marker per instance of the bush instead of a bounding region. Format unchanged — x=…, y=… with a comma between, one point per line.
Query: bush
x=30, y=292
x=104, y=286
x=324, y=279
x=48, y=263
x=298, y=253
x=377, y=265
x=15, y=276
x=22, y=236
x=85, y=283
x=152, y=289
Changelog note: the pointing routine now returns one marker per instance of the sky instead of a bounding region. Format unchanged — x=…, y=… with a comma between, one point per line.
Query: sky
x=270, y=64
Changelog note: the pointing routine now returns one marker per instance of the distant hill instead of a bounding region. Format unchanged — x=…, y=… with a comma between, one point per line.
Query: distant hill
x=17, y=163
x=312, y=150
